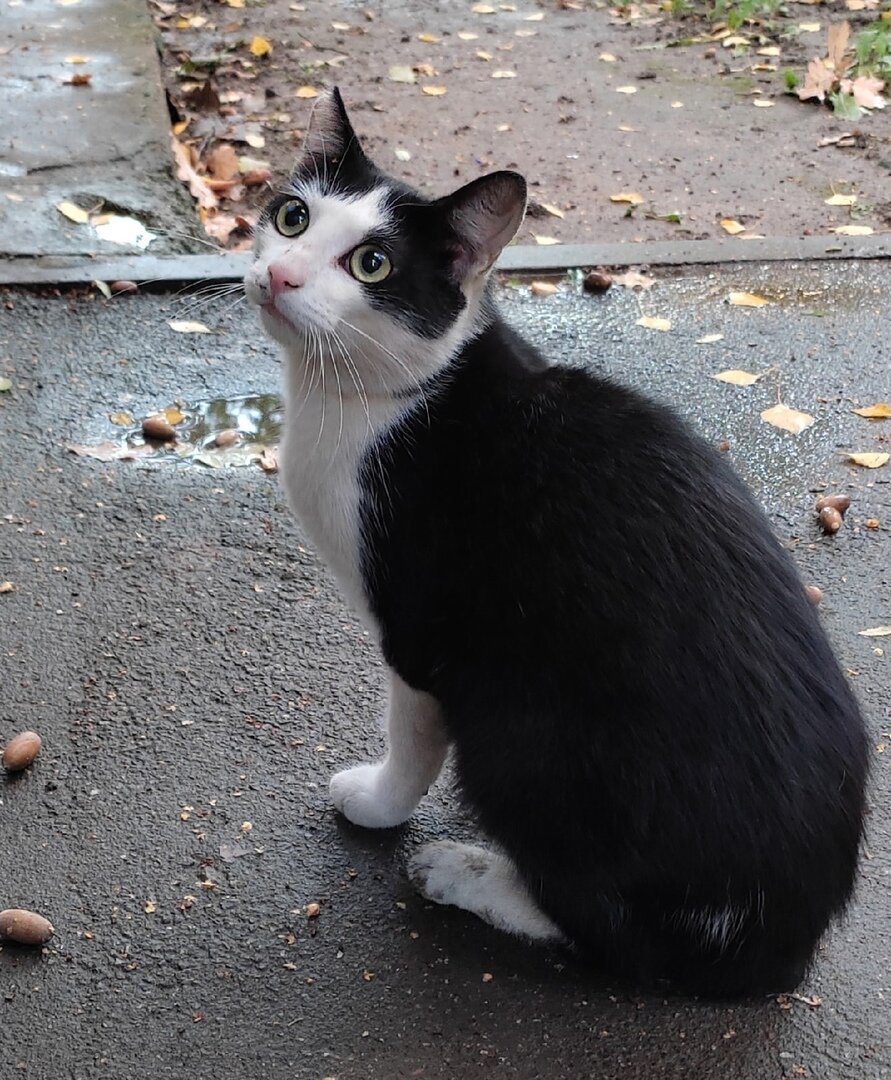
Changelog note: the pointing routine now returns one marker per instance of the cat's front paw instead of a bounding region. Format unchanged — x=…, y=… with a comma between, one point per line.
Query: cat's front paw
x=361, y=794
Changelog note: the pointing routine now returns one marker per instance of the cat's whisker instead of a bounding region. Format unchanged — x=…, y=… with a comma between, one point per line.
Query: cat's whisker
x=317, y=345
x=355, y=375
x=333, y=359
x=392, y=356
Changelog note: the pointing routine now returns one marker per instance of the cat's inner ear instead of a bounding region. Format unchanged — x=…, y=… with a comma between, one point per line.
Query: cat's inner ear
x=330, y=136
x=484, y=216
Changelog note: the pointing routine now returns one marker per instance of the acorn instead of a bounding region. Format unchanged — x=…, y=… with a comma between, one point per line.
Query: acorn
x=830, y=519
x=834, y=502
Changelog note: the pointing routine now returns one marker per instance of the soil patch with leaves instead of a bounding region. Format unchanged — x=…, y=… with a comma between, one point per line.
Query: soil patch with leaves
x=634, y=122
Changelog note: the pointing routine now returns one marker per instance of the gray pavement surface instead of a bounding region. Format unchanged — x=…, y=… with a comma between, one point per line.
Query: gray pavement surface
x=104, y=146
x=191, y=669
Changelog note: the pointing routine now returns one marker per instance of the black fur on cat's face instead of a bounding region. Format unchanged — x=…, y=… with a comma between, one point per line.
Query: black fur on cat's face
x=346, y=253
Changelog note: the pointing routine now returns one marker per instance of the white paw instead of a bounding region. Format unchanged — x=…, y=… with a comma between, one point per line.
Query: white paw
x=361, y=795
x=443, y=870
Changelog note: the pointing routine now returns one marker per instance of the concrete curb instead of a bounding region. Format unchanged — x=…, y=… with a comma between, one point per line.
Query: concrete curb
x=61, y=270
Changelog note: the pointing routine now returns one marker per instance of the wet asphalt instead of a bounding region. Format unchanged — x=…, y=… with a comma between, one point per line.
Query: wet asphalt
x=196, y=678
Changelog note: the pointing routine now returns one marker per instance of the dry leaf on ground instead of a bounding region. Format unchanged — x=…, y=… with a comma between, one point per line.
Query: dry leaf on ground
x=111, y=451
x=747, y=299
x=837, y=45
x=854, y=230
x=841, y=200
x=875, y=631
x=402, y=73
x=633, y=279
x=729, y=225
x=186, y=172
x=633, y=198
x=544, y=240
x=709, y=339
x=307, y=92
x=73, y=212
x=433, y=91
x=184, y=326
x=269, y=459
x=543, y=288
x=818, y=81
x=781, y=416
x=880, y=411
x=122, y=419
x=737, y=377
x=261, y=46
x=653, y=322
x=865, y=89
x=869, y=460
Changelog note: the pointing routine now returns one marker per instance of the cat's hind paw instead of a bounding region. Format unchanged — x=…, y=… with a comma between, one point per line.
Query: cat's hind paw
x=361, y=794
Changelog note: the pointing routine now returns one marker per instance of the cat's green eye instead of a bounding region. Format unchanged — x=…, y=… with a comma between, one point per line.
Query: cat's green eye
x=292, y=217
x=370, y=265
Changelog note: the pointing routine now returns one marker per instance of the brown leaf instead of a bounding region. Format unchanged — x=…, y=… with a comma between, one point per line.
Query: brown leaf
x=543, y=288
x=818, y=81
x=111, y=451
x=869, y=460
x=185, y=171
x=737, y=377
x=269, y=459
x=747, y=299
x=634, y=279
x=79, y=80
x=222, y=162
x=837, y=37
x=865, y=89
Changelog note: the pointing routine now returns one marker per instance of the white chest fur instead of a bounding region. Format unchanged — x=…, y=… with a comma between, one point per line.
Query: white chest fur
x=326, y=436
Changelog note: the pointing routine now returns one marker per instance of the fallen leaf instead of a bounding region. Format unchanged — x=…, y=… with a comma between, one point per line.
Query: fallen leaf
x=545, y=240
x=504, y=74
x=254, y=140
x=653, y=322
x=111, y=451
x=737, y=377
x=222, y=162
x=818, y=81
x=5, y=384
x=103, y=287
x=876, y=631
x=781, y=416
x=261, y=46
x=632, y=197
x=729, y=225
x=769, y=50
x=483, y=55
x=554, y=211
x=7, y=587
x=79, y=80
x=429, y=39
x=677, y=104
x=854, y=230
x=425, y=70
x=543, y=288
x=483, y=9
x=186, y=172
x=747, y=299
x=537, y=17
x=173, y=415
x=809, y=27
x=77, y=59
x=868, y=460
x=185, y=327
x=734, y=40
x=251, y=165
x=73, y=212
x=269, y=459
x=467, y=35
x=626, y=89
x=309, y=91
x=122, y=419
x=340, y=26
x=841, y=200
x=763, y=103
x=433, y=91
x=402, y=73
x=634, y=279
x=401, y=154
x=879, y=411
x=837, y=45
x=865, y=89
x=709, y=339
x=607, y=58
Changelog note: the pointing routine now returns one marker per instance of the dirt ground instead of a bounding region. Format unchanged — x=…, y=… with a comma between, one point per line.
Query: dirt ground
x=708, y=133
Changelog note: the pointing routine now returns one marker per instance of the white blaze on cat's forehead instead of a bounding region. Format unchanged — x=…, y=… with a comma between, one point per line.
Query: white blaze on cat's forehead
x=337, y=223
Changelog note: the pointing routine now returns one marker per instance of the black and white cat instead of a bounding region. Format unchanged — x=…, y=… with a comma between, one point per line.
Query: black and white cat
x=572, y=592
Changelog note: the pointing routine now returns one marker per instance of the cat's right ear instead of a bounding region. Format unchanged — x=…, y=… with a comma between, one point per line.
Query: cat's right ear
x=330, y=136
x=484, y=216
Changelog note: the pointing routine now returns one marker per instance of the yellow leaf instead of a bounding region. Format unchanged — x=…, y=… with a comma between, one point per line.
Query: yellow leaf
x=545, y=240
x=841, y=200
x=77, y=59
x=747, y=299
x=433, y=91
x=875, y=631
x=180, y=127
x=737, y=377
x=235, y=3
x=769, y=50
x=543, y=288
x=879, y=411
x=261, y=46
x=809, y=27
x=626, y=89
x=709, y=339
x=122, y=419
x=607, y=58
x=653, y=322
x=782, y=416
x=306, y=92
x=868, y=461
x=554, y=211
x=467, y=35
x=854, y=230
x=504, y=74
x=632, y=197
x=729, y=225
x=429, y=39
x=733, y=40
x=185, y=327
x=173, y=415
x=73, y=212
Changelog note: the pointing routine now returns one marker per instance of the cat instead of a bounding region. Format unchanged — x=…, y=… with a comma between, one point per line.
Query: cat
x=573, y=593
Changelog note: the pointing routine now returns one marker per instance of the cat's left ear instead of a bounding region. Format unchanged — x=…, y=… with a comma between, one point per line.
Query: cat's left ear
x=484, y=216
x=330, y=136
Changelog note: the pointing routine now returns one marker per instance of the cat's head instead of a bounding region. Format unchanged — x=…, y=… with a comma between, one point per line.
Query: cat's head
x=349, y=261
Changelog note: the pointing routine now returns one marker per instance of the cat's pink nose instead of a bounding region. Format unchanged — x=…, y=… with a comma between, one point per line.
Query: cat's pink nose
x=280, y=280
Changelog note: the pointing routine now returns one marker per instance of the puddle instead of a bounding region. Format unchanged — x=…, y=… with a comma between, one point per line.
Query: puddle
x=252, y=424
